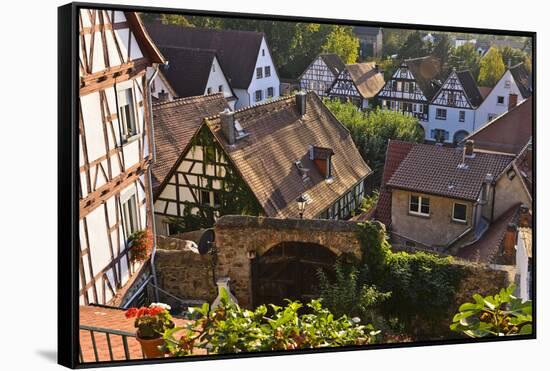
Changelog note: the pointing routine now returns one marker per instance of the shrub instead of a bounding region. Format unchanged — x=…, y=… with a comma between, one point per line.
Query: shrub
x=499, y=315
x=151, y=321
x=232, y=329
x=141, y=245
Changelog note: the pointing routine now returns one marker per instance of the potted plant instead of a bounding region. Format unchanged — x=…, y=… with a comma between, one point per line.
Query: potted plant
x=141, y=245
x=151, y=323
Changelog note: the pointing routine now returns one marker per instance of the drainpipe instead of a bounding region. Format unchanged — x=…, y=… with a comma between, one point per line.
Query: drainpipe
x=152, y=205
x=493, y=185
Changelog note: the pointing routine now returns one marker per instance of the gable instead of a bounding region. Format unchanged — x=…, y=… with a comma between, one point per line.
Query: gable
x=344, y=86
x=452, y=94
x=394, y=88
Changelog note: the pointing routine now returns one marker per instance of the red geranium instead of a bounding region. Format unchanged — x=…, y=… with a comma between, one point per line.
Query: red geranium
x=141, y=245
x=151, y=321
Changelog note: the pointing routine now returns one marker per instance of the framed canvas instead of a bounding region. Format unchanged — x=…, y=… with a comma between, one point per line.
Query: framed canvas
x=245, y=185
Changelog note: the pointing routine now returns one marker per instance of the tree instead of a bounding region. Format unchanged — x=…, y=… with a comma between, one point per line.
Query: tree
x=413, y=47
x=466, y=57
x=341, y=41
x=372, y=130
x=176, y=19
x=511, y=56
x=491, y=68
x=442, y=49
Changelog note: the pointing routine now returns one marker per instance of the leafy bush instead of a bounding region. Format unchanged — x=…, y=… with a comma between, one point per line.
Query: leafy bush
x=232, y=329
x=500, y=315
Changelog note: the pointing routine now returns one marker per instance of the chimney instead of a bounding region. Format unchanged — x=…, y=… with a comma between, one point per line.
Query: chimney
x=524, y=216
x=164, y=96
x=301, y=102
x=509, y=242
x=512, y=101
x=228, y=125
x=469, y=148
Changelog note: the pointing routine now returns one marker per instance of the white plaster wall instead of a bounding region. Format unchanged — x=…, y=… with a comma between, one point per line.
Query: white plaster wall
x=452, y=124
x=264, y=82
x=217, y=78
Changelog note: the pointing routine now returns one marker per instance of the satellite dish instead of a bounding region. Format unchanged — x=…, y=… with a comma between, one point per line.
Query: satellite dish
x=206, y=241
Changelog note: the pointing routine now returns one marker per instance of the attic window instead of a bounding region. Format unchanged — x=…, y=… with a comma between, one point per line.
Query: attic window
x=302, y=170
x=239, y=131
x=322, y=158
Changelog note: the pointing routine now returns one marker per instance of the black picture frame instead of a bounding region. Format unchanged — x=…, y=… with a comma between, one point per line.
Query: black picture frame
x=68, y=152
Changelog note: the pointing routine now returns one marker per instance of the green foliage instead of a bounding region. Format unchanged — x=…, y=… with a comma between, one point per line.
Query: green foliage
x=495, y=315
x=232, y=329
x=372, y=130
x=514, y=56
x=343, y=42
x=413, y=47
x=369, y=202
x=466, y=57
x=442, y=49
x=491, y=68
x=176, y=19
x=393, y=39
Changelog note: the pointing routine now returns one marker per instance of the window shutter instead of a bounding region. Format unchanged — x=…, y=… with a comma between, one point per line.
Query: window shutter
x=446, y=135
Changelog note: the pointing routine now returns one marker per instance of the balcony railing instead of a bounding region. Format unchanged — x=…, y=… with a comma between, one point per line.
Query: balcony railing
x=100, y=345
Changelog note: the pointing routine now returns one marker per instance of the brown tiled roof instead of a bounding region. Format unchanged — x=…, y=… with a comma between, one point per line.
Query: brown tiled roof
x=509, y=132
x=485, y=90
x=146, y=44
x=175, y=124
x=189, y=69
x=486, y=249
x=277, y=137
x=112, y=319
x=333, y=62
x=523, y=78
x=435, y=170
x=395, y=153
x=427, y=73
x=470, y=87
x=237, y=50
x=367, y=78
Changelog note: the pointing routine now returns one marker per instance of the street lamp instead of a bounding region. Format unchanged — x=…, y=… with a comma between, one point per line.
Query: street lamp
x=302, y=201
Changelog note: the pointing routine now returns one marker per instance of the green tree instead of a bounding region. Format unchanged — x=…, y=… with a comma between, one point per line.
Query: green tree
x=442, y=49
x=372, y=130
x=393, y=39
x=491, y=68
x=176, y=19
x=466, y=57
x=413, y=47
x=341, y=41
x=512, y=56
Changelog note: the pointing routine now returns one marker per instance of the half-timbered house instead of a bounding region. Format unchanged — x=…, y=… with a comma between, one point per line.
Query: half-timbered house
x=193, y=72
x=260, y=160
x=412, y=87
x=452, y=110
x=115, y=148
x=358, y=83
x=321, y=73
x=245, y=57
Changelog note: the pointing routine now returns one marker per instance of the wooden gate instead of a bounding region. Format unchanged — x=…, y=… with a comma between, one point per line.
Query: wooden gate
x=289, y=271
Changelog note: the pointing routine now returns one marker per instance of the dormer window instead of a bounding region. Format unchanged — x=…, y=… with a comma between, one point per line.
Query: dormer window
x=239, y=130
x=302, y=170
x=322, y=158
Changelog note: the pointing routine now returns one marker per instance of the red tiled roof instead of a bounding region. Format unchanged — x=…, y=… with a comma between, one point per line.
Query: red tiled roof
x=113, y=319
x=395, y=153
x=485, y=250
x=435, y=170
x=278, y=136
x=509, y=132
x=485, y=90
x=175, y=124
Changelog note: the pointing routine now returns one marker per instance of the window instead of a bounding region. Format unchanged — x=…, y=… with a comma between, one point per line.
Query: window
x=459, y=212
x=451, y=99
x=394, y=85
x=406, y=87
x=126, y=113
x=399, y=87
x=461, y=116
x=440, y=135
x=213, y=67
x=500, y=100
x=419, y=205
x=208, y=90
x=205, y=197
x=270, y=92
x=258, y=95
x=441, y=114
x=411, y=87
x=263, y=52
x=507, y=84
x=220, y=88
x=259, y=73
x=129, y=214
x=267, y=71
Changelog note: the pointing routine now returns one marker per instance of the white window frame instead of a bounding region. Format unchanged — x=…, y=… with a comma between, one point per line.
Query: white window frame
x=267, y=92
x=419, y=208
x=256, y=96
x=121, y=100
x=267, y=71
x=465, y=220
x=463, y=114
x=259, y=73
x=134, y=224
x=438, y=116
x=503, y=100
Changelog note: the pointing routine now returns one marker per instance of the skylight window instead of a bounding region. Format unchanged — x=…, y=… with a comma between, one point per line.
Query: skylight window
x=239, y=130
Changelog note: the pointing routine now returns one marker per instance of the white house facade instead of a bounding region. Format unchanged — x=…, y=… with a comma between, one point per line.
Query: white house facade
x=115, y=148
x=265, y=81
x=321, y=73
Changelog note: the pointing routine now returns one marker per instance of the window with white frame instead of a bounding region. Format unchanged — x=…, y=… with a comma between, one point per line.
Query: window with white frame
x=220, y=88
x=129, y=213
x=267, y=71
x=459, y=212
x=500, y=99
x=258, y=96
x=270, y=92
x=419, y=205
x=209, y=90
x=461, y=116
x=259, y=72
x=127, y=113
x=441, y=114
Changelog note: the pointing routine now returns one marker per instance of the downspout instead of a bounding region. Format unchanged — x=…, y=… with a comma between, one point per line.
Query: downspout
x=493, y=185
x=152, y=204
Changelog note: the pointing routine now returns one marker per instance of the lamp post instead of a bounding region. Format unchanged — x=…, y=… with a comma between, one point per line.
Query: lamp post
x=301, y=205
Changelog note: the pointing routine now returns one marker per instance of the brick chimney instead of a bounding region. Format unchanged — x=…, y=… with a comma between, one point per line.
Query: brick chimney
x=469, y=148
x=164, y=96
x=301, y=102
x=228, y=125
x=509, y=242
x=524, y=216
x=512, y=101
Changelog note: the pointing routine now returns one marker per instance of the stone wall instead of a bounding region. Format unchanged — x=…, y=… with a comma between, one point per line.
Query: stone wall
x=242, y=238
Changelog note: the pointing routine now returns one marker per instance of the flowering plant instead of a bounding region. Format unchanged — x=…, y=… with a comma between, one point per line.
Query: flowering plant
x=151, y=321
x=141, y=245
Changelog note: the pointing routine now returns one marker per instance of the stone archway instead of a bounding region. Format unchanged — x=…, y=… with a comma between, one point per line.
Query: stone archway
x=289, y=270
